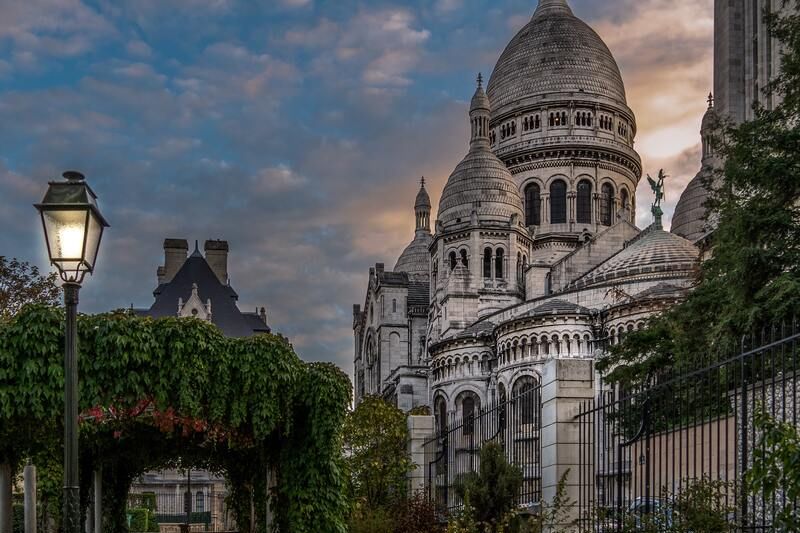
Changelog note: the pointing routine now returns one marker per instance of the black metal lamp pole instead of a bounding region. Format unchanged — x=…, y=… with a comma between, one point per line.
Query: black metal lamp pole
x=72, y=513
x=73, y=227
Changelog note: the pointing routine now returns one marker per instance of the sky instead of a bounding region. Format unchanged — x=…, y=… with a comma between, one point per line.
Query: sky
x=297, y=130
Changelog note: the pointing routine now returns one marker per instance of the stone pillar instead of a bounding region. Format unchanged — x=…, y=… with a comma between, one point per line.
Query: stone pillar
x=566, y=383
x=29, y=476
x=5, y=498
x=420, y=429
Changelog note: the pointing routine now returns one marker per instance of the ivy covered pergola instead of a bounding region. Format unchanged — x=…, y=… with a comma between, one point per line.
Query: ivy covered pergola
x=155, y=391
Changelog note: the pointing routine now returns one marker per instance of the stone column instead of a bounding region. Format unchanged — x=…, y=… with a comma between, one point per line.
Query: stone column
x=29, y=476
x=420, y=429
x=566, y=383
x=5, y=498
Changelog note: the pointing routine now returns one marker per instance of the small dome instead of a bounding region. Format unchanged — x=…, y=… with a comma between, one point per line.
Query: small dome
x=423, y=201
x=415, y=259
x=689, y=220
x=480, y=183
x=557, y=307
x=555, y=52
x=653, y=251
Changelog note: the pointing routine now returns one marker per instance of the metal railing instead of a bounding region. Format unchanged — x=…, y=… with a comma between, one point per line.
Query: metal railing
x=170, y=511
x=639, y=450
x=454, y=451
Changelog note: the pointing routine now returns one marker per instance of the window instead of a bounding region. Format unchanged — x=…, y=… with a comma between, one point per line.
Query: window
x=625, y=199
x=487, y=263
x=606, y=203
x=563, y=118
x=533, y=205
x=468, y=415
x=464, y=259
x=199, y=506
x=453, y=260
x=525, y=124
x=584, y=205
x=527, y=395
x=558, y=202
x=548, y=286
x=552, y=120
x=394, y=306
x=440, y=411
x=498, y=264
x=519, y=268
x=536, y=123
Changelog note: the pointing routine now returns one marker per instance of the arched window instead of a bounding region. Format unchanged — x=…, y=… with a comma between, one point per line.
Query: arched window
x=435, y=274
x=558, y=202
x=552, y=120
x=563, y=118
x=464, y=259
x=487, y=263
x=519, y=268
x=536, y=123
x=394, y=305
x=589, y=120
x=548, y=287
x=440, y=412
x=526, y=395
x=606, y=203
x=468, y=414
x=525, y=124
x=625, y=199
x=584, y=205
x=498, y=264
x=453, y=260
x=533, y=205
x=199, y=506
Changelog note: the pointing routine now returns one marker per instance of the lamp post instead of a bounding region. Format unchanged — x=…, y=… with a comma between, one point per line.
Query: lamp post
x=73, y=227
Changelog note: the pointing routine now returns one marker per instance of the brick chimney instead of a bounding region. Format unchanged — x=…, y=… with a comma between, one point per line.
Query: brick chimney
x=217, y=257
x=175, y=252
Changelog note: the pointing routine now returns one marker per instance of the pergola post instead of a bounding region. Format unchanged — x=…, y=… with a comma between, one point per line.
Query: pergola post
x=29, y=476
x=5, y=498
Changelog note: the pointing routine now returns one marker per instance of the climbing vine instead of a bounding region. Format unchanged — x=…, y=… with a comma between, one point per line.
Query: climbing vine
x=155, y=391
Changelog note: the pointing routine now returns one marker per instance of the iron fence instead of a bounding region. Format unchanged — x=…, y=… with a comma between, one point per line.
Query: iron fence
x=167, y=511
x=454, y=452
x=641, y=449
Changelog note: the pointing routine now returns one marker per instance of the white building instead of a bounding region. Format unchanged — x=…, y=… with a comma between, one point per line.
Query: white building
x=535, y=253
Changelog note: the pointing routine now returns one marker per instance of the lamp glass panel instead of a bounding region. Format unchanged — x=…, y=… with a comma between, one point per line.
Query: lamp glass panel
x=65, y=236
x=94, y=231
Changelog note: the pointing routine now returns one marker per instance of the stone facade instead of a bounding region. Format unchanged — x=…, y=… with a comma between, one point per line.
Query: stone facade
x=535, y=256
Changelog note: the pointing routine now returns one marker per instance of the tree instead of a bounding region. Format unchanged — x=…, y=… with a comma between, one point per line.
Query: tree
x=752, y=279
x=491, y=493
x=377, y=461
x=21, y=283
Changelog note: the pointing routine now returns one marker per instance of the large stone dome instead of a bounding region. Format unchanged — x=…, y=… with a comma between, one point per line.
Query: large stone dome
x=555, y=52
x=689, y=220
x=415, y=259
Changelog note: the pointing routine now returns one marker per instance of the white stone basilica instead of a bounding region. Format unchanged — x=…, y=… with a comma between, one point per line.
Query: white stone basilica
x=534, y=253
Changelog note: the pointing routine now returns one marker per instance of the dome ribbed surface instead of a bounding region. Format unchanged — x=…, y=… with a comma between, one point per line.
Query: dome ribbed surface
x=652, y=251
x=480, y=182
x=557, y=307
x=415, y=259
x=423, y=200
x=555, y=52
x=689, y=218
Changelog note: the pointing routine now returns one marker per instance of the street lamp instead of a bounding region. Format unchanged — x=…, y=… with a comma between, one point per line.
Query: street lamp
x=73, y=227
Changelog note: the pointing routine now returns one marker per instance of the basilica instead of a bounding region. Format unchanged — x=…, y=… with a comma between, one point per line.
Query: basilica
x=533, y=253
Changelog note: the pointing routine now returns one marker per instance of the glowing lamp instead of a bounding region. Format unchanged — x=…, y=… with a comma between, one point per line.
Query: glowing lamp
x=73, y=226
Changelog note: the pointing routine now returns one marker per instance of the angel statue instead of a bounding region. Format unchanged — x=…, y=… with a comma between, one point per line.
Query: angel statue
x=658, y=189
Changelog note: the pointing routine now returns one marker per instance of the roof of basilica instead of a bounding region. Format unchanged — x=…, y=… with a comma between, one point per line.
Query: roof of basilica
x=480, y=182
x=652, y=251
x=690, y=212
x=415, y=259
x=556, y=307
x=555, y=52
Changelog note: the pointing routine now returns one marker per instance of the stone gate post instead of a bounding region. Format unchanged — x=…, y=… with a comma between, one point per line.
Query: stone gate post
x=565, y=384
x=420, y=429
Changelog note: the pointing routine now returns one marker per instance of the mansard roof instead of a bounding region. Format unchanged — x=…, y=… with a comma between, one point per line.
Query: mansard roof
x=224, y=312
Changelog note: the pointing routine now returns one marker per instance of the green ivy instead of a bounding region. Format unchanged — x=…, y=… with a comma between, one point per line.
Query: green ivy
x=157, y=391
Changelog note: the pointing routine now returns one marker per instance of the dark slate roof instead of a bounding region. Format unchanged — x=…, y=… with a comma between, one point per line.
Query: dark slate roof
x=557, y=307
x=418, y=293
x=478, y=329
x=393, y=278
x=662, y=290
x=224, y=312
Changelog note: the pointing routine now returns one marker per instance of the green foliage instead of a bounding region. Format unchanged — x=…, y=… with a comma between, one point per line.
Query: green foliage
x=776, y=468
x=416, y=515
x=492, y=491
x=18, y=518
x=21, y=283
x=371, y=520
x=753, y=277
x=155, y=391
x=142, y=520
x=701, y=507
x=377, y=461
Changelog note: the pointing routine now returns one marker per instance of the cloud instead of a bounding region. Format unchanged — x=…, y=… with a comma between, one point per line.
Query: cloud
x=139, y=49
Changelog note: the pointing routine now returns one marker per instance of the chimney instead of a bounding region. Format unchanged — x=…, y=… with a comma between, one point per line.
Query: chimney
x=217, y=257
x=175, y=252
